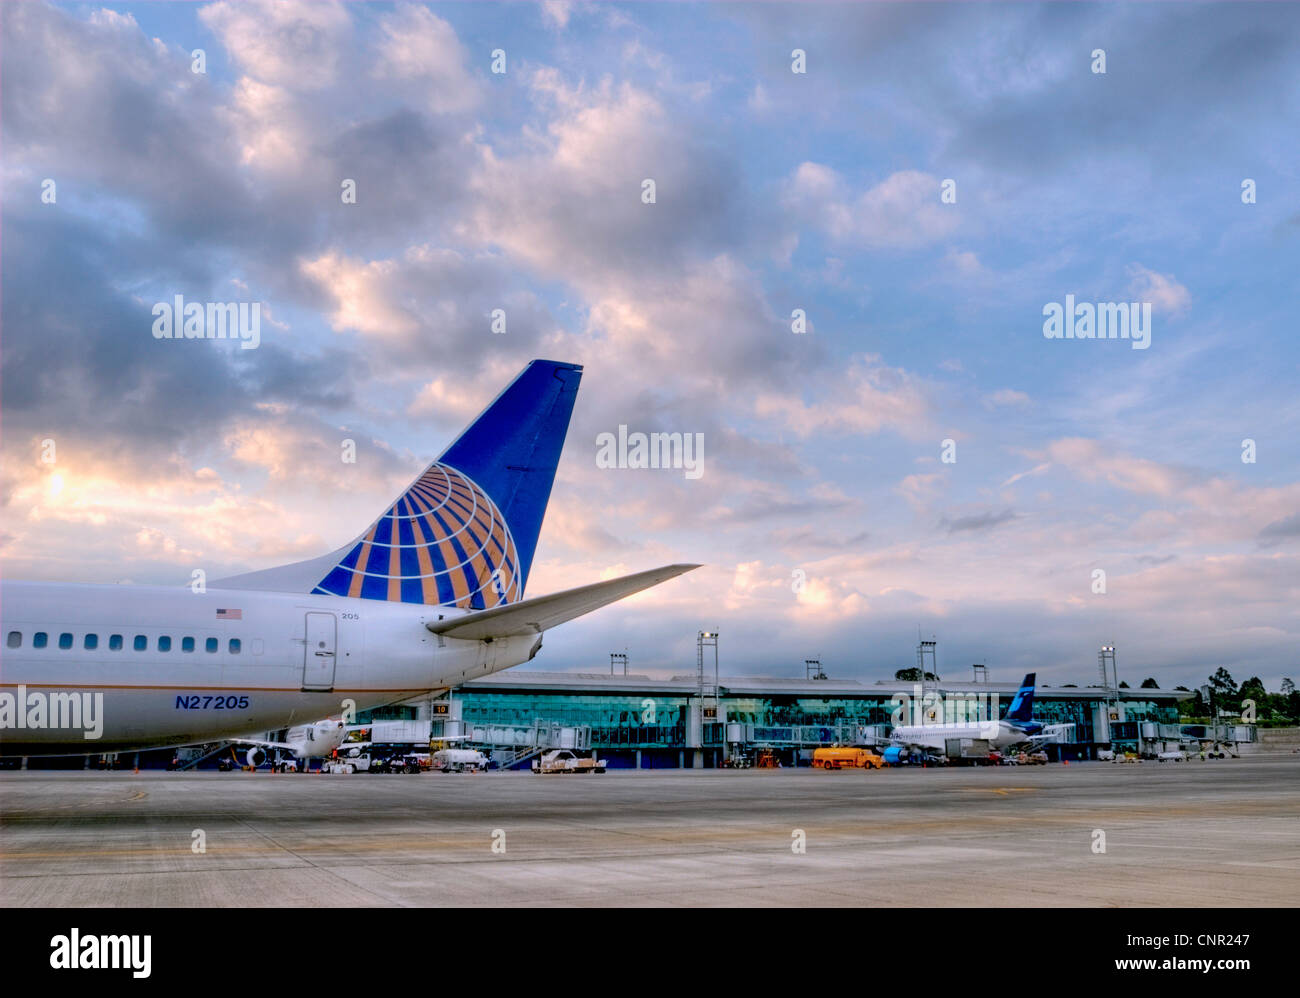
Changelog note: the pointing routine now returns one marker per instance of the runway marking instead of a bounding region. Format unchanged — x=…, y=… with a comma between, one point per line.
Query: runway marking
x=138, y=795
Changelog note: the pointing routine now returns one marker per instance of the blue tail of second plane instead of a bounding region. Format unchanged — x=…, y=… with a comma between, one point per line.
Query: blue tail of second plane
x=1022, y=707
x=465, y=532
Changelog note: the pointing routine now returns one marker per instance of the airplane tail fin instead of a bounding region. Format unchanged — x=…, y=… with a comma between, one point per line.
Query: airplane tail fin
x=513, y=448
x=464, y=533
x=1022, y=707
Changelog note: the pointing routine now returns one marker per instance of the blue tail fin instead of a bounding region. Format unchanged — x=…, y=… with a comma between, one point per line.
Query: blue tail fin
x=465, y=532
x=513, y=448
x=1022, y=707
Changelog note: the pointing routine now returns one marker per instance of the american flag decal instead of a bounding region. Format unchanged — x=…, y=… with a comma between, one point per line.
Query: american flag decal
x=230, y=614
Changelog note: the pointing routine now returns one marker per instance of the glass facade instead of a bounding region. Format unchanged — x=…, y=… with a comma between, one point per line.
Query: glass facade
x=634, y=721
x=652, y=727
x=617, y=721
x=790, y=710
x=1076, y=712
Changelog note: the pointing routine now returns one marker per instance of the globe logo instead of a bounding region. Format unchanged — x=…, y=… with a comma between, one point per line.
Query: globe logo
x=444, y=542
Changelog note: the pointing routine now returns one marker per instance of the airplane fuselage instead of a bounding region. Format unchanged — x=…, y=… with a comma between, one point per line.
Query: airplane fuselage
x=111, y=668
x=999, y=734
x=315, y=741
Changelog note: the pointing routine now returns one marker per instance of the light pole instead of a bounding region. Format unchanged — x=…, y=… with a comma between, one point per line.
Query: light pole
x=707, y=639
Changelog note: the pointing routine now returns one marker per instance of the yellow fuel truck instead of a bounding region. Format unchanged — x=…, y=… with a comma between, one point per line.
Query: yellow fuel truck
x=845, y=757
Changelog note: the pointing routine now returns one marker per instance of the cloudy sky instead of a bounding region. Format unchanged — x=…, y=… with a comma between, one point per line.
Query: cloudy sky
x=827, y=518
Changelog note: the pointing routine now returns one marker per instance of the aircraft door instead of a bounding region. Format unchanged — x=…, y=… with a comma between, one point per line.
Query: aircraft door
x=319, y=652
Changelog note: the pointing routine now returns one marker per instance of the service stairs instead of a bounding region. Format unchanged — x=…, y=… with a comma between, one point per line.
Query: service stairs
x=190, y=764
x=514, y=746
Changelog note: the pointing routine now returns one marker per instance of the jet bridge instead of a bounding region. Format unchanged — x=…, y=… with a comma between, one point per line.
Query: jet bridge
x=1157, y=738
x=514, y=745
x=800, y=735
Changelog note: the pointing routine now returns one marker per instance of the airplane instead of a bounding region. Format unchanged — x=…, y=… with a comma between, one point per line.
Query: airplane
x=303, y=742
x=1016, y=728
x=431, y=595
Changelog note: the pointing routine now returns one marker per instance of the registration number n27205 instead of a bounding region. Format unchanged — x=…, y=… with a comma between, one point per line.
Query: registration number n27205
x=200, y=701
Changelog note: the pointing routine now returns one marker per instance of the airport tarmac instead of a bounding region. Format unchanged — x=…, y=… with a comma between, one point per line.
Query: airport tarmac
x=1190, y=833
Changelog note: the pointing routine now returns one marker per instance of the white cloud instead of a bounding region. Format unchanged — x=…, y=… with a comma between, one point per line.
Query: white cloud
x=901, y=211
x=1037, y=469
x=1163, y=292
x=556, y=13
x=363, y=294
x=965, y=263
x=1005, y=398
x=1093, y=461
x=296, y=44
x=420, y=47
x=272, y=134
x=865, y=398
x=921, y=490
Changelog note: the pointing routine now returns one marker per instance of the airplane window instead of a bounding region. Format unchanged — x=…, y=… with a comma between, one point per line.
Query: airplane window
x=65, y=640
x=211, y=644
x=141, y=643
x=90, y=641
x=115, y=642
x=165, y=643
x=234, y=646
x=187, y=644
x=39, y=639
x=15, y=639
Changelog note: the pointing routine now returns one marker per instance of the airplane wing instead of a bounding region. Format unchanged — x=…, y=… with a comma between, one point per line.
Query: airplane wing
x=256, y=741
x=1052, y=733
x=532, y=616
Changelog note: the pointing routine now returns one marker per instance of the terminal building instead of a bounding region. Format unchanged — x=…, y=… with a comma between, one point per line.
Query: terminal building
x=688, y=721
x=699, y=720
x=634, y=721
